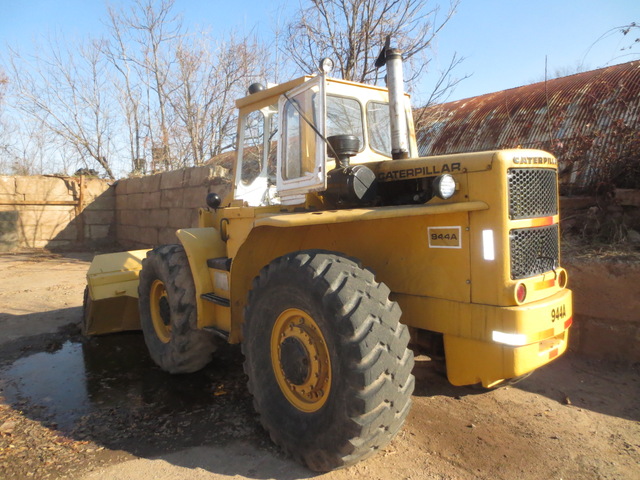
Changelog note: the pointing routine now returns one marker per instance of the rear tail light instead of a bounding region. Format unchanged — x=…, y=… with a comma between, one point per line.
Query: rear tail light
x=521, y=293
x=562, y=279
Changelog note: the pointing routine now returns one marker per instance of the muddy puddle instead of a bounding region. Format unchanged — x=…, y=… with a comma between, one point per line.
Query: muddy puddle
x=109, y=390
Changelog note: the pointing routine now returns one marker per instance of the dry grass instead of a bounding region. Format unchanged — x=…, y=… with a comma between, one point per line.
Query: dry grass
x=580, y=249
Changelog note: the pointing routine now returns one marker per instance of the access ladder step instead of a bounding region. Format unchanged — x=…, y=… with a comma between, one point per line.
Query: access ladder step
x=218, y=300
x=218, y=332
x=220, y=263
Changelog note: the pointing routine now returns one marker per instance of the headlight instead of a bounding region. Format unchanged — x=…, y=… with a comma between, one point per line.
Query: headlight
x=326, y=65
x=444, y=186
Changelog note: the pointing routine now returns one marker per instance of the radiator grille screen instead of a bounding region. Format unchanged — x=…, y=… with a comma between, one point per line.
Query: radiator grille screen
x=533, y=251
x=532, y=193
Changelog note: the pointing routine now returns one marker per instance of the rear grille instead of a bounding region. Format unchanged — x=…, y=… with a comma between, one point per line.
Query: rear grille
x=533, y=251
x=532, y=193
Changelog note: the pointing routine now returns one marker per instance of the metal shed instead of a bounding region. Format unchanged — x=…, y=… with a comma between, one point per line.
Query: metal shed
x=590, y=121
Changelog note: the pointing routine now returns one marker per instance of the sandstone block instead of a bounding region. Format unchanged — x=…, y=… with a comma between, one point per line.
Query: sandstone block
x=102, y=202
x=150, y=200
x=122, y=202
x=576, y=203
x=97, y=232
x=135, y=200
x=147, y=236
x=195, y=197
x=49, y=215
x=96, y=187
x=159, y=217
x=98, y=217
x=44, y=188
x=628, y=197
x=133, y=185
x=151, y=183
x=167, y=236
x=121, y=187
x=179, y=218
x=126, y=234
x=7, y=185
x=174, y=179
x=172, y=198
x=198, y=176
x=55, y=244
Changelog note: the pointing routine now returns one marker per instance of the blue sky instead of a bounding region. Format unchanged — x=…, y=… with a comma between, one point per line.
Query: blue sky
x=504, y=42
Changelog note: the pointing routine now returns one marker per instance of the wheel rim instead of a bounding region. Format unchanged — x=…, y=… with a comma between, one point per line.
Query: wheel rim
x=300, y=360
x=160, y=312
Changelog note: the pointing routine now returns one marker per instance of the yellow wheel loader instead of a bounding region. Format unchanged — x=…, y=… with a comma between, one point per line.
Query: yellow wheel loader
x=338, y=245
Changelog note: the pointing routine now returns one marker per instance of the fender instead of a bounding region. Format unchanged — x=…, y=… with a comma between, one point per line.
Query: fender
x=366, y=214
x=201, y=244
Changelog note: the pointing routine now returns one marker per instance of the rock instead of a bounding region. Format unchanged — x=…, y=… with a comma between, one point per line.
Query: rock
x=628, y=196
x=633, y=236
x=8, y=427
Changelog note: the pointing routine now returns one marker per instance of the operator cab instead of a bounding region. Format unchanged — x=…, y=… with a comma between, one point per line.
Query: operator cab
x=283, y=152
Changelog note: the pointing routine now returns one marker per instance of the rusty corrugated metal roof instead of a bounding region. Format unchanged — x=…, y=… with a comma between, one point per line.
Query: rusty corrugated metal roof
x=572, y=116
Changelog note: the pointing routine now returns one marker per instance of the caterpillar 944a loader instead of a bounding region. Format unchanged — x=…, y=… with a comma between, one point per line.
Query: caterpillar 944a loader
x=336, y=246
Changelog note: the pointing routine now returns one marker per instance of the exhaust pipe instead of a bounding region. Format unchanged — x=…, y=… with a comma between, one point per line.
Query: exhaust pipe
x=397, y=114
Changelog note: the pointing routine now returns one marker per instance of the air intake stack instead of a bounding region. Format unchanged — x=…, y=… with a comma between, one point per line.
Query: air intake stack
x=392, y=58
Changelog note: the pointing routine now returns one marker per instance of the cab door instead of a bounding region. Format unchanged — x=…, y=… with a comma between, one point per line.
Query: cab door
x=301, y=164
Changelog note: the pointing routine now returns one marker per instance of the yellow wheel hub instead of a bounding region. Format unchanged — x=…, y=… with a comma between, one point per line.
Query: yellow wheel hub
x=160, y=312
x=300, y=360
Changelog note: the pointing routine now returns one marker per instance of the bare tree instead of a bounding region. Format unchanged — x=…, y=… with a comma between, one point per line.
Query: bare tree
x=4, y=130
x=353, y=31
x=31, y=150
x=65, y=91
x=147, y=35
x=630, y=44
x=130, y=91
x=4, y=81
x=204, y=87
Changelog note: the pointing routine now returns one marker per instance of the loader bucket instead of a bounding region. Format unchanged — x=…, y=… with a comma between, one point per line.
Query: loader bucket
x=111, y=296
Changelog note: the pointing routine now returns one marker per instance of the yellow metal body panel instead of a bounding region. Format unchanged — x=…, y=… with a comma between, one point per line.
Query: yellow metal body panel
x=112, y=303
x=201, y=244
x=475, y=321
x=111, y=315
x=471, y=361
x=394, y=244
x=115, y=274
x=471, y=353
x=364, y=214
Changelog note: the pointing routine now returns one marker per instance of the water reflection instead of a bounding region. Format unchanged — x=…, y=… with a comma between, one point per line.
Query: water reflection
x=110, y=372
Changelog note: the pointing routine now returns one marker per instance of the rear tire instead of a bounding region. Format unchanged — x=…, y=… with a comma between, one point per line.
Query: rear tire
x=168, y=314
x=327, y=359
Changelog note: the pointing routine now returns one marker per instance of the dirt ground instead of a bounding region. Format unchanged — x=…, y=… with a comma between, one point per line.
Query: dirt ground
x=79, y=408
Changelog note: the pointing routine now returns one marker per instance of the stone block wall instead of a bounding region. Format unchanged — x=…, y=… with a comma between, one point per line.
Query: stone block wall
x=150, y=209
x=55, y=212
x=606, y=308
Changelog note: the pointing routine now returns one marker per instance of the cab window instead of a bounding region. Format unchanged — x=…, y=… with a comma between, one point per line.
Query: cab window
x=300, y=138
x=344, y=117
x=252, y=146
x=379, y=127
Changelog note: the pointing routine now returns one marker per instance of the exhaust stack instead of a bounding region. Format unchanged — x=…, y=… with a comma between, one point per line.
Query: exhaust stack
x=397, y=114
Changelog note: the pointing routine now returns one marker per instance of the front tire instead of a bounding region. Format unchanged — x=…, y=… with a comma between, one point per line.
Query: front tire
x=327, y=359
x=168, y=314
